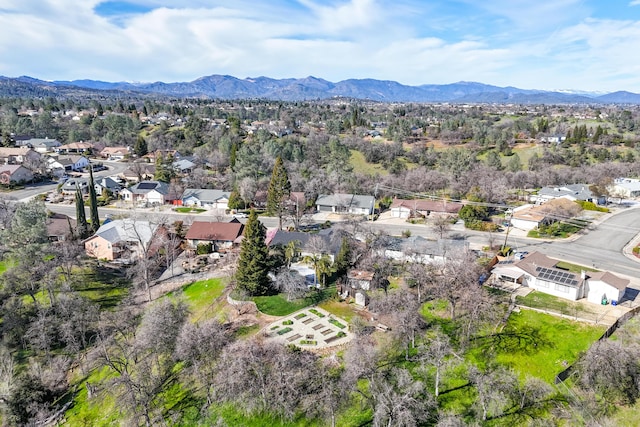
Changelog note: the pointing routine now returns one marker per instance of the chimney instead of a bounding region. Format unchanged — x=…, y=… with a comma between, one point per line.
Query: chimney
x=583, y=275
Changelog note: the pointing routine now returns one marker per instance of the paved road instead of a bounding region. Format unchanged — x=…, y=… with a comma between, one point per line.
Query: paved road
x=601, y=247
x=40, y=188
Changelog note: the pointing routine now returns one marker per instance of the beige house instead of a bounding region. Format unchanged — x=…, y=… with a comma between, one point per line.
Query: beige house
x=15, y=174
x=122, y=239
x=17, y=155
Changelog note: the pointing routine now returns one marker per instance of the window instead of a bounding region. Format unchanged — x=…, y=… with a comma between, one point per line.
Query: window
x=562, y=288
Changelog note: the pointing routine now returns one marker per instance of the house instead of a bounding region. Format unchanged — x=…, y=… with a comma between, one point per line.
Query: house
x=146, y=192
x=529, y=217
x=115, y=153
x=346, y=203
x=75, y=148
x=15, y=174
x=121, y=239
x=183, y=166
x=221, y=235
x=164, y=154
x=18, y=155
x=71, y=185
x=60, y=227
x=420, y=250
x=541, y=273
x=67, y=163
x=205, y=198
x=137, y=172
x=107, y=184
x=572, y=192
x=421, y=207
x=625, y=188
x=326, y=242
x=42, y=145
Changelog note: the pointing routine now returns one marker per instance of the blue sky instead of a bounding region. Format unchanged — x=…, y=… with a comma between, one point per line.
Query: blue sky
x=535, y=44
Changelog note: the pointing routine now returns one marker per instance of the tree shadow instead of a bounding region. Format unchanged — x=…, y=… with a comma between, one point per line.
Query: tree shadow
x=525, y=339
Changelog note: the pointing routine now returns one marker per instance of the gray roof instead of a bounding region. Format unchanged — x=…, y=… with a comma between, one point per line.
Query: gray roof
x=108, y=183
x=144, y=187
x=282, y=238
x=205, y=195
x=576, y=191
x=126, y=230
x=420, y=245
x=183, y=164
x=346, y=200
x=42, y=142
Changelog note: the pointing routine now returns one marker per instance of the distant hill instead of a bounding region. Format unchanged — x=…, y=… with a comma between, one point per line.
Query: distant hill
x=309, y=88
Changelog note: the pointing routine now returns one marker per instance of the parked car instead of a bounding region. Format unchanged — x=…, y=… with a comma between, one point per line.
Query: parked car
x=240, y=215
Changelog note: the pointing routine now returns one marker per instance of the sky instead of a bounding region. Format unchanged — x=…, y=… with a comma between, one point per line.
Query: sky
x=589, y=45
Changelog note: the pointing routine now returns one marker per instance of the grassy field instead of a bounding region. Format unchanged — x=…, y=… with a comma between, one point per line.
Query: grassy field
x=277, y=305
x=201, y=297
x=544, y=301
x=362, y=166
x=185, y=209
x=104, y=286
x=537, y=344
x=338, y=308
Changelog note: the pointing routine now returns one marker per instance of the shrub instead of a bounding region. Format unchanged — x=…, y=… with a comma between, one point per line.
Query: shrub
x=204, y=248
x=316, y=312
x=284, y=331
x=336, y=323
x=288, y=322
x=406, y=233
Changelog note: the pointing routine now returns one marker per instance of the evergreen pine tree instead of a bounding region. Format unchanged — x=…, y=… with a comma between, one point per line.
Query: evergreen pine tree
x=93, y=200
x=81, y=217
x=141, y=146
x=342, y=263
x=253, y=268
x=278, y=192
x=235, y=201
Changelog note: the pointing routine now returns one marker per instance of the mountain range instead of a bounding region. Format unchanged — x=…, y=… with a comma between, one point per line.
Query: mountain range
x=310, y=88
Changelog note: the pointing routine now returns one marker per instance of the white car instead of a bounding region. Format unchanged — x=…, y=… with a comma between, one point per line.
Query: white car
x=240, y=215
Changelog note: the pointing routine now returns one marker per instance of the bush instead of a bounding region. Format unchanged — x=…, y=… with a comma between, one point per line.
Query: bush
x=590, y=206
x=288, y=322
x=406, y=233
x=204, y=248
x=284, y=331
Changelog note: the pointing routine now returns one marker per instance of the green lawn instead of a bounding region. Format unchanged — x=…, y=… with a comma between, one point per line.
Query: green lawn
x=201, y=296
x=6, y=264
x=104, y=286
x=549, y=302
x=338, y=308
x=361, y=165
x=574, y=268
x=185, y=209
x=277, y=305
x=537, y=344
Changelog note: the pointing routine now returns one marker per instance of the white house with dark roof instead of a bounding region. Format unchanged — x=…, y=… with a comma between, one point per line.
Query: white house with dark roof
x=42, y=145
x=355, y=204
x=206, y=198
x=146, y=192
x=541, y=273
x=572, y=192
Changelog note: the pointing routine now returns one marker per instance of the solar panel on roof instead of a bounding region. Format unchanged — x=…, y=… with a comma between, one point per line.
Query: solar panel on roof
x=146, y=186
x=557, y=276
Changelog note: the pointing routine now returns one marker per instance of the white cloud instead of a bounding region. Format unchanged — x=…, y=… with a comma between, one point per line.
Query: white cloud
x=634, y=3
x=64, y=39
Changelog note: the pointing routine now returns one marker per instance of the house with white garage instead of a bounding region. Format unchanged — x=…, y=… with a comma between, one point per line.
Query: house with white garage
x=417, y=249
x=539, y=272
x=206, y=198
x=355, y=204
x=146, y=193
